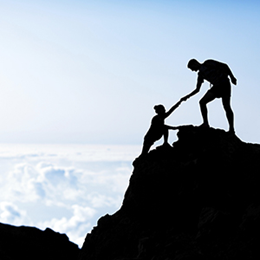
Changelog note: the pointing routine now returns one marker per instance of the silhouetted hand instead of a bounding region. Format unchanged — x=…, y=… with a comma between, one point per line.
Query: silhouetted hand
x=179, y=102
x=184, y=98
x=234, y=80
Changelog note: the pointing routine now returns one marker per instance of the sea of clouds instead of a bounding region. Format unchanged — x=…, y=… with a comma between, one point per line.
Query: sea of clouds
x=64, y=187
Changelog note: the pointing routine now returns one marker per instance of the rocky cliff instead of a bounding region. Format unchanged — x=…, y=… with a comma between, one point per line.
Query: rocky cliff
x=31, y=243
x=199, y=199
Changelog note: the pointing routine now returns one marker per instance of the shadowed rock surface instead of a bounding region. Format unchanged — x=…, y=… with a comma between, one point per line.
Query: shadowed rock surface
x=31, y=243
x=198, y=200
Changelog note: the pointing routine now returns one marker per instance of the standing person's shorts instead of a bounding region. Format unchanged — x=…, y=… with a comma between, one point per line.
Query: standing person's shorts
x=221, y=89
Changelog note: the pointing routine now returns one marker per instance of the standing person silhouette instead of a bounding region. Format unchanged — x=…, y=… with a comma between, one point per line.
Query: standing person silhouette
x=217, y=74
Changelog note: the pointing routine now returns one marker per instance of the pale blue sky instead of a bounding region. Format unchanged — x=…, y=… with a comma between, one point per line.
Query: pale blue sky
x=91, y=71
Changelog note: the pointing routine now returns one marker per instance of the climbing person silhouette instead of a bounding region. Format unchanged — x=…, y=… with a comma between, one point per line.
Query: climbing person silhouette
x=158, y=128
x=217, y=74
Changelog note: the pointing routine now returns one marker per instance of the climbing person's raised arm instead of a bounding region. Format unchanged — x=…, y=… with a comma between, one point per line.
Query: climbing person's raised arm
x=172, y=109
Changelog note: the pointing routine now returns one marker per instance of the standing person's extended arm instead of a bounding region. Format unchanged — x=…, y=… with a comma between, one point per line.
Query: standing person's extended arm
x=194, y=92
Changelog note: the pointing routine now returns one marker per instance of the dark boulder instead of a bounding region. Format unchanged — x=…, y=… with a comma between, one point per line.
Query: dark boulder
x=31, y=243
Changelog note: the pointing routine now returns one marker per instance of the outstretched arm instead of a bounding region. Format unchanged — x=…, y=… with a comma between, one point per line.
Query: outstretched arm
x=194, y=92
x=172, y=127
x=172, y=108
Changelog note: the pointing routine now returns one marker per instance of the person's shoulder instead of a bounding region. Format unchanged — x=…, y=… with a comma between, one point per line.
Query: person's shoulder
x=155, y=118
x=210, y=62
x=213, y=62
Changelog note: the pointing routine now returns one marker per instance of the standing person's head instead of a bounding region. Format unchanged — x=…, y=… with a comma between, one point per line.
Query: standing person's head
x=194, y=65
x=159, y=109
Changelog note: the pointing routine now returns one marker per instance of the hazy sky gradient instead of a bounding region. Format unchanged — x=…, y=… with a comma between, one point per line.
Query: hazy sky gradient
x=91, y=71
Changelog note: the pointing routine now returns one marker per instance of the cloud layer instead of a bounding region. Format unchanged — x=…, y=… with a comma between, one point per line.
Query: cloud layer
x=64, y=187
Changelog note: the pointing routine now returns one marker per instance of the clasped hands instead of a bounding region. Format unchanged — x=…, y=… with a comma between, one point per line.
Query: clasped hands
x=184, y=98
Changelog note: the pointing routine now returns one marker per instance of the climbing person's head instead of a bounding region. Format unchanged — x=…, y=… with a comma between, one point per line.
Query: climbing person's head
x=159, y=109
x=194, y=65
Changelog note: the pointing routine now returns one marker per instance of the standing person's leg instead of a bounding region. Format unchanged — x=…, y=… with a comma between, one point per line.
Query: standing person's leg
x=229, y=113
x=208, y=97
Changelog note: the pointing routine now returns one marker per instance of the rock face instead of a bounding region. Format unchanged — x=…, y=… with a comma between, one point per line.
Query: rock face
x=31, y=243
x=197, y=200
